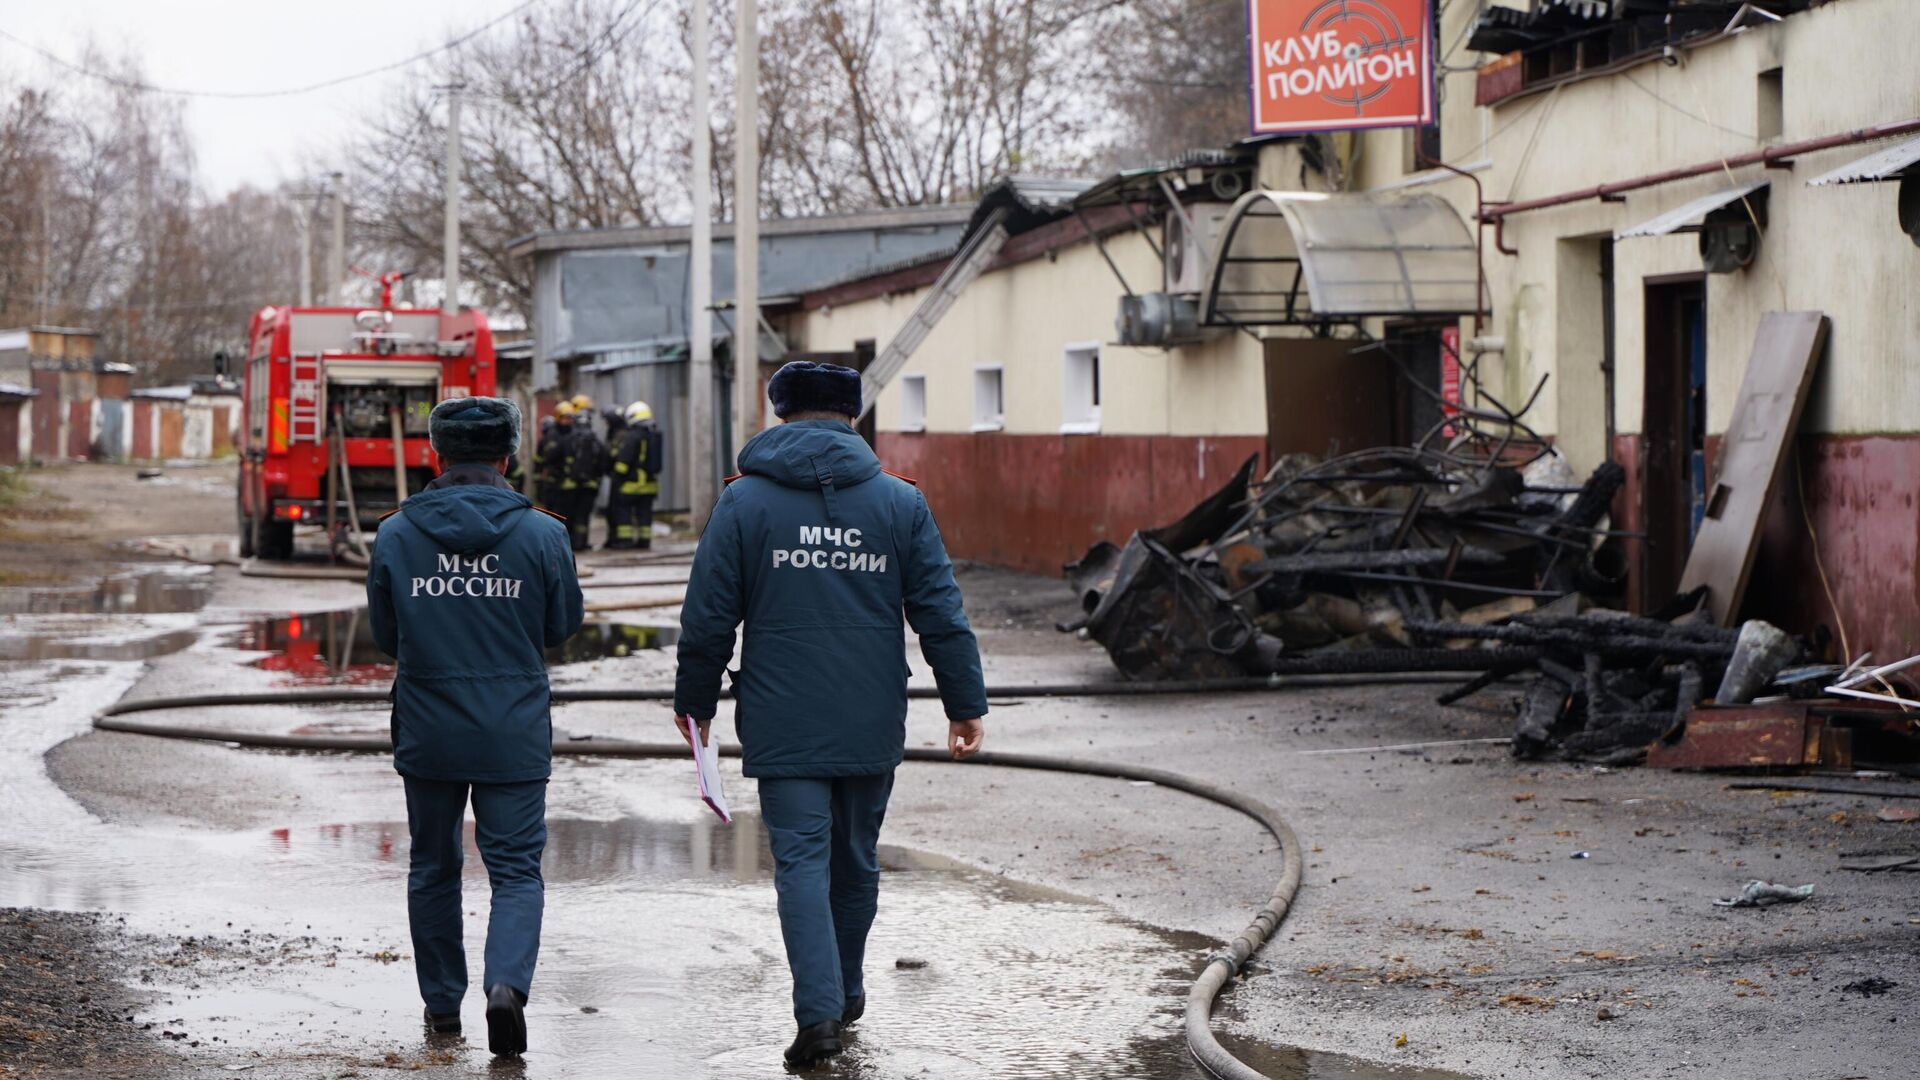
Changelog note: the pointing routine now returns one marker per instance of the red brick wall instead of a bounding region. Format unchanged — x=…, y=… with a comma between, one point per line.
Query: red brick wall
x=1037, y=502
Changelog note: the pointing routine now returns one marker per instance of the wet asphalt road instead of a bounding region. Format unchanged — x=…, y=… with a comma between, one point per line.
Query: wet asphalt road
x=280, y=880
x=1442, y=922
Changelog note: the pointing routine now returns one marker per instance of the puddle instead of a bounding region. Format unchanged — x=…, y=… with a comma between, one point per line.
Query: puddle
x=336, y=647
x=167, y=591
x=84, y=638
x=661, y=956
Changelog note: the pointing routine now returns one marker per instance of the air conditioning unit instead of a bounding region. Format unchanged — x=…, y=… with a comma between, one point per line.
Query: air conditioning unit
x=1188, y=255
x=1725, y=248
x=1158, y=319
x=1730, y=236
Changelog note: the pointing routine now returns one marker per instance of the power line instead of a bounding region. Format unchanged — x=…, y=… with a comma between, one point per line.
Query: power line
x=1697, y=118
x=138, y=86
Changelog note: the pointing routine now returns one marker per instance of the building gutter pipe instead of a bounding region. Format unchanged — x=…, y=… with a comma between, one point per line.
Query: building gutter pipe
x=1772, y=157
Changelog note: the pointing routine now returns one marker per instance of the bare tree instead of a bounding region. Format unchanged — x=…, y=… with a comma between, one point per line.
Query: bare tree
x=105, y=227
x=1176, y=72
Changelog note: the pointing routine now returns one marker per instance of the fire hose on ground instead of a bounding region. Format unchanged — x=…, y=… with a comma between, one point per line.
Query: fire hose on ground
x=1212, y=980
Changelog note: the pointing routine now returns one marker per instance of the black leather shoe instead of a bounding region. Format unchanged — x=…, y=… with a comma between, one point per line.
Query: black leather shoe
x=856, y=1008
x=506, y=1021
x=816, y=1041
x=443, y=1025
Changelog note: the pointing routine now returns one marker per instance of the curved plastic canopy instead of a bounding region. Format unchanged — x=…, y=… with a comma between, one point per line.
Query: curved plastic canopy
x=1303, y=257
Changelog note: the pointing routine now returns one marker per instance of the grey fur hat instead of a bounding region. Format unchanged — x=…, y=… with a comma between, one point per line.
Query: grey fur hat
x=474, y=429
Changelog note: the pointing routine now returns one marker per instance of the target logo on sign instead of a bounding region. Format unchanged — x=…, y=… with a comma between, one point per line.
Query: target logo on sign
x=1329, y=65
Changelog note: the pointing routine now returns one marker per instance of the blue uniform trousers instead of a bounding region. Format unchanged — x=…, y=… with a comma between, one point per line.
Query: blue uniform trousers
x=510, y=828
x=825, y=836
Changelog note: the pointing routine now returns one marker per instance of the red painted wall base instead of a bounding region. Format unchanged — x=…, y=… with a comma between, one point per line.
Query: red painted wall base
x=1037, y=502
x=1860, y=492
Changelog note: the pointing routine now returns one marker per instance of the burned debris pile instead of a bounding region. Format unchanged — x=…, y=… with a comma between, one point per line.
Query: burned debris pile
x=1415, y=560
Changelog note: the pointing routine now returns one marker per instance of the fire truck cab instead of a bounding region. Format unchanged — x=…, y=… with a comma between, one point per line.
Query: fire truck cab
x=334, y=429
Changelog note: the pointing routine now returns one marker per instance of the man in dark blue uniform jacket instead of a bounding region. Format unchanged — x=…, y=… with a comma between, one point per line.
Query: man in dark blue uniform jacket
x=826, y=559
x=469, y=585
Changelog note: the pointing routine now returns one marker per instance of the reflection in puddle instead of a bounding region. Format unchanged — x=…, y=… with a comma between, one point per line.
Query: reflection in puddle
x=336, y=647
x=86, y=638
x=136, y=592
x=661, y=957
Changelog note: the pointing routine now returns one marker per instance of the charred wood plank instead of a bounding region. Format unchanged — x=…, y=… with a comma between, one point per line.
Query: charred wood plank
x=1322, y=562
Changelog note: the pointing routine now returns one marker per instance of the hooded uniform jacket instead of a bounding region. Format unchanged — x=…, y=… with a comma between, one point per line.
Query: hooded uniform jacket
x=826, y=559
x=469, y=585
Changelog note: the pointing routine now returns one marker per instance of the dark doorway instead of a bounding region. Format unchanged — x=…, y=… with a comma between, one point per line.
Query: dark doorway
x=1324, y=399
x=1673, y=430
x=1423, y=352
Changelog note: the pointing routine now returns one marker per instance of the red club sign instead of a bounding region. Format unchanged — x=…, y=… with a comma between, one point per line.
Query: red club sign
x=1329, y=65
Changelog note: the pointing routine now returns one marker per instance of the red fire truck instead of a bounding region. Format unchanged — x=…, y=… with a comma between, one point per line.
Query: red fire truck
x=335, y=415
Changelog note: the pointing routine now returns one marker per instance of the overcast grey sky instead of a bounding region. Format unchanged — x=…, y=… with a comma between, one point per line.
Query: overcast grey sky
x=249, y=45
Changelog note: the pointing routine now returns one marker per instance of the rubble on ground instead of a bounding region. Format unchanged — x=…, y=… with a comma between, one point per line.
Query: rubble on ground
x=1403, y=559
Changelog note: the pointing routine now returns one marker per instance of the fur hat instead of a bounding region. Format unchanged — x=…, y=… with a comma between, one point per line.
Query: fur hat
x=474, y=429
x=804, y=386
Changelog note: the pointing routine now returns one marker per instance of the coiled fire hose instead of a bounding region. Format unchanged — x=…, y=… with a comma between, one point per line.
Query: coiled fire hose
x=1221, y=967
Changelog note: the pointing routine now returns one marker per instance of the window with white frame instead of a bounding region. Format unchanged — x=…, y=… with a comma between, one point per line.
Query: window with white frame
x=913, y=403
x=1080, y=400
x=989, y=406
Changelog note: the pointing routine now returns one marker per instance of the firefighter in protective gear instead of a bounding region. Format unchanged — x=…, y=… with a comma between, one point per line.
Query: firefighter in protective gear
x=616, y=423
x=638, y=456
x=585, y=466
x=550, y=457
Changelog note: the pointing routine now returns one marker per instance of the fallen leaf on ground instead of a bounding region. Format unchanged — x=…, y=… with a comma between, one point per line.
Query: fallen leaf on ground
x=1525, y=1000
x=1899, y=813
x=1528, y=797
x=1401, y=1041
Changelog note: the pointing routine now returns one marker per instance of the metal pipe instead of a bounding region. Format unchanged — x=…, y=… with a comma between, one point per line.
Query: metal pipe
x=703, y=474
x=1484, y=297
x=399, y=457
x=746, y=225
x=1768, y=156
x=450, y=239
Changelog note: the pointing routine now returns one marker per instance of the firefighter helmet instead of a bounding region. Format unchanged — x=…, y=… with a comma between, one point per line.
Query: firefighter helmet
x=639, y=411
x=564, y=410
x=582, y=403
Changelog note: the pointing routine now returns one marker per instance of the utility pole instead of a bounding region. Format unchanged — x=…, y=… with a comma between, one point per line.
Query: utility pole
x=306, y=207
x=450, y=244
x=746, y=227
x=303, y=224
x=702, y=422
x=46, y=239
x=337, y=254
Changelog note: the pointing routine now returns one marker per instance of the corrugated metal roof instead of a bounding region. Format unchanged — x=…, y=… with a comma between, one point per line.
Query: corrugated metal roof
x=1691, y=212
x=1030, y=201
x=165, y=393
x=1883, y=164
x=635, y=236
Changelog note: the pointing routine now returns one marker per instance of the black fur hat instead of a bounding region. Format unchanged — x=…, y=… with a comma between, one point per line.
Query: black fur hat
x=474, y=429
x=804, y=386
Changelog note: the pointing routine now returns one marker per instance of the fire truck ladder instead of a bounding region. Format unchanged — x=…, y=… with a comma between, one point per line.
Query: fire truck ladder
x=968, y=263
x=305, y=411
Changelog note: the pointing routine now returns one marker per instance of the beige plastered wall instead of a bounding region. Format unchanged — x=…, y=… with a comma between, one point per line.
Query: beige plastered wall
x=1833, y=249
x=1023, y=318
